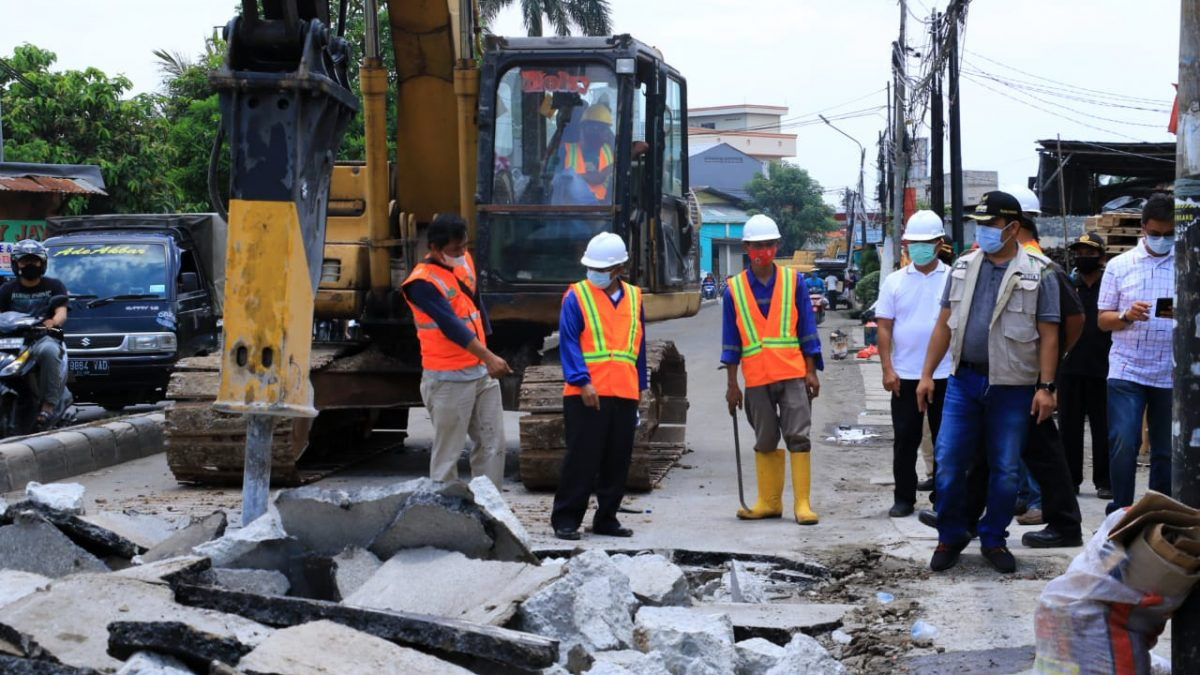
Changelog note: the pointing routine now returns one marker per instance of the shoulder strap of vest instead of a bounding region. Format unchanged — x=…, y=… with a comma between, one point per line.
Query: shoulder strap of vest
x=740, y=291
x=591, y=315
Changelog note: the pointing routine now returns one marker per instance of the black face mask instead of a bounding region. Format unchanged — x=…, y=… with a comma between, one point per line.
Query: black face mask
x=1087, y=265
x=31, y=272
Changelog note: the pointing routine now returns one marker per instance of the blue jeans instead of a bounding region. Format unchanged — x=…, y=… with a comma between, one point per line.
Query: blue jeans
x=1029, y=488
x=996, y=419
x=1127, y=402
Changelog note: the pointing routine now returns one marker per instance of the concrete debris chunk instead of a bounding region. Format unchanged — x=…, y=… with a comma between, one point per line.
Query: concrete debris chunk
x=590, y=605
x=259, y=582
x=70, y=619
x=16, y=584
x=432, y=519
x=692, y=643
x=327, y=521
x=654, y=579
x=150, y=663
x=351, y=569
x=96, y=539
x=740, y=585
x=805, y=655
x=194, y=648
x=16, y=665
x=757, y=656
x=3, y=510
x=778, y=621
x=449, y=584
x=142, y=529
x=328, y=648
x=506, y=647
x=633, y=661
x=263, y=543
x=32, y=544
x=512, y=541
x=606, y=668
x=61, y=496
x=181, y=542
x=170, y=571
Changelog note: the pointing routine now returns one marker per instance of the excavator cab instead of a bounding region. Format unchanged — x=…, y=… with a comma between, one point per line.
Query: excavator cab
x=577, y=136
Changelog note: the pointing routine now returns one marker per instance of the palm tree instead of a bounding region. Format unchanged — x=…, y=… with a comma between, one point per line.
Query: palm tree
x=590, y=17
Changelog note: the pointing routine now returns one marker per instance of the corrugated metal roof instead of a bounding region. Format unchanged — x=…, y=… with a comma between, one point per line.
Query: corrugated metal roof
x=77, y=186
x=722, y=214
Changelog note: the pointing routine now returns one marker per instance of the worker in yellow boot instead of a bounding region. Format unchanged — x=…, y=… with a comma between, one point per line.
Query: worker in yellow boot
x=769, y=330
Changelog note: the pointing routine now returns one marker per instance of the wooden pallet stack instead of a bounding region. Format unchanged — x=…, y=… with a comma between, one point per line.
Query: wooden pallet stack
x=1120, y=230
x=659, y=441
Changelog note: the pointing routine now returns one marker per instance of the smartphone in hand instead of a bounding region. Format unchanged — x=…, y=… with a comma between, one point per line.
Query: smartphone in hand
x=1164, y=308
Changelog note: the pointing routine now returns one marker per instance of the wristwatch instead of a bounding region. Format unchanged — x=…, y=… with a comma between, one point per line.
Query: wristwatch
x=1124, y=319
x=1047, y=386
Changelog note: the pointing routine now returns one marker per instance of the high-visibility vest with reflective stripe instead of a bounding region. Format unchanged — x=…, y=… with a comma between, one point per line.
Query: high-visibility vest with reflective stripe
x=611, y=340
x=439, y=352
x=466, y=273
x=770, y=345
x=573, y=159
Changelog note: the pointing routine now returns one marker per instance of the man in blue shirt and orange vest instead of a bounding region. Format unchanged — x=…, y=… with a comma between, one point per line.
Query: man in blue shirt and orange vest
x=458, y=382
x=602, y=344
x=770, y=331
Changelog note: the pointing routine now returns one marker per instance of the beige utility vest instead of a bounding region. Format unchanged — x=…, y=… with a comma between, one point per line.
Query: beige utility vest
x=1013, y=333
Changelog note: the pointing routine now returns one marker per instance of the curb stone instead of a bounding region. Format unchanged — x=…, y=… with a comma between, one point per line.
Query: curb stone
x=62, y=453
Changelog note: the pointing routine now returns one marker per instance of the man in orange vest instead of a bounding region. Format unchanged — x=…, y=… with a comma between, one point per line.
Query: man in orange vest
x=458, y=385
x=602, y=344
x=769, y=330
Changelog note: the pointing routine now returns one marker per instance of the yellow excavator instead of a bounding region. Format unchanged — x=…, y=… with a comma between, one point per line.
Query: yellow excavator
x=492, y=131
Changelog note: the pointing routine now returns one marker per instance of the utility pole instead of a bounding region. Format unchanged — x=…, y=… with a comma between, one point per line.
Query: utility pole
x=862, y=159
x=899, y=149
x=846, y=207
x=1185, y=457
x=937, y=187
x=956, y=185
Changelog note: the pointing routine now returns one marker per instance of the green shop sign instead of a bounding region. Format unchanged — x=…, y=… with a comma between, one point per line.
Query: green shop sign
x=12, y=231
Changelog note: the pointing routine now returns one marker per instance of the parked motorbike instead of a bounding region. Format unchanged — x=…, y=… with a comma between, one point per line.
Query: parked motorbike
x=818, y=305
x=20, y=398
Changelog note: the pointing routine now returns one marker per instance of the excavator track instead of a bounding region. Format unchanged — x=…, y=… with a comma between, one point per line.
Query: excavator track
x=207, y=447
x=658, y=443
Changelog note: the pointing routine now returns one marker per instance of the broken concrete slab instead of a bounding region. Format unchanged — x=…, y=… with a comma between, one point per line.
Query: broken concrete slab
x=654, y=579
x=195, y=648
x=32, y=544
x=96, y=539
x=632, y=661
x=263, y=544
x=170, y=571
x=757, y=656
x=328, y=648
x=183, y=541
x=433, y=519
x=16, y=584
x=805, y=655
x=150, y=663
x=690, y=642
x=328, y=521
x=15, y=665
x=3, y=510
x=449, y=584
x=777, y=622
x=741, y=585
x=259, y=582
x=144, y=530
x=66, y=497
x=450, y=636
x=70, y=619
x=590, y=605
x=512, y=541
x=351, y=569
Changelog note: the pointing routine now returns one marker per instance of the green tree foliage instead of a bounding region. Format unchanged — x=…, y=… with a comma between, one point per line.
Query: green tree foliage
x=354, y=141
x=790, y=196
x=82, y=117
x=189, y=107
x=867, y=289
x=590, y=17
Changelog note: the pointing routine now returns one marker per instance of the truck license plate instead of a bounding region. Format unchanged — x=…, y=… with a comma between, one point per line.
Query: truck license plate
x=79, y=367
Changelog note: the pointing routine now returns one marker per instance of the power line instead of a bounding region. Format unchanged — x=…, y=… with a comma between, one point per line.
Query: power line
x=1051, y=112
x=1105, y=94
x=1091, y=99
x=1073, y=110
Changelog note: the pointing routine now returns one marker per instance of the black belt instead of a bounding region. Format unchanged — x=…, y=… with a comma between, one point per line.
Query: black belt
x=980, y=368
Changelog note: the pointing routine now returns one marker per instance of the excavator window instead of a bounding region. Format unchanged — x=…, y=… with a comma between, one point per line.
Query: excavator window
x=673, y=159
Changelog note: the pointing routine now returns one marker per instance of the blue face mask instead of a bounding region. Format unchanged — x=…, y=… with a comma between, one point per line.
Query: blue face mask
x=990, y=239
x=599, y=278
x=1160, y=245
x=922, y=252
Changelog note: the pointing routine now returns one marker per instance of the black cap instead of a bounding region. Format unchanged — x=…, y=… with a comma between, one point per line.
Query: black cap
x=1092, y=239
x=997, y=204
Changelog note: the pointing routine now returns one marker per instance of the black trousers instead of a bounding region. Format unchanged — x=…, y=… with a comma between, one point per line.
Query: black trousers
x=599, y=449
x=1044, y=457
x=1082, y=396
x=907, y=426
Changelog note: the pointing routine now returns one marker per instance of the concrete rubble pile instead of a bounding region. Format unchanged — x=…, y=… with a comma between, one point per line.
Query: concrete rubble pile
x=418, y=576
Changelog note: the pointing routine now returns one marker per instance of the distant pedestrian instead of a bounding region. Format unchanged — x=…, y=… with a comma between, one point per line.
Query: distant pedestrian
x=999, y=320
x=770, y=332
x=1136, y=304
x=832, y=291
x=602, y=344
x=1082, y=380
x=907, y=310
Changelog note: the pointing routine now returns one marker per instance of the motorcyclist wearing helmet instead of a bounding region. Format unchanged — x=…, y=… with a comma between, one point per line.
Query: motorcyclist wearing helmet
x=31, y=293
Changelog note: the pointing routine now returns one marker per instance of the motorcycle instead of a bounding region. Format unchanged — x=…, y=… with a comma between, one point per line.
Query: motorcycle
x=20, y=399
x=708, y=290
x=818, y=305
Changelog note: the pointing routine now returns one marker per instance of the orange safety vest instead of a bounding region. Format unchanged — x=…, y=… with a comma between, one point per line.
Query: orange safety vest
x=466, y=273
x=611, y=340
x=770, y=346
x=439, y=352
x=573, y=160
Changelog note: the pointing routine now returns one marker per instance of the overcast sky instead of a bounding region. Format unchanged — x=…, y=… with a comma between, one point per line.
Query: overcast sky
x=810, y=55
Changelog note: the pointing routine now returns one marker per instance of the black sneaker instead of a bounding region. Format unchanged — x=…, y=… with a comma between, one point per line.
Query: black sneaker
x=945, y=556
x=1001, y=559
x=568, y=533
x=900, y=510
x=1104, y=493
x=925, y=485
x=928, y=518
x=1048, y=537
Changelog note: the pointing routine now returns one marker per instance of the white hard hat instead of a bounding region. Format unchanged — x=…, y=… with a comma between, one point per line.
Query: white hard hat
x=604, y=251
x=923, y=226
x=1029, y=201
x=760, y=228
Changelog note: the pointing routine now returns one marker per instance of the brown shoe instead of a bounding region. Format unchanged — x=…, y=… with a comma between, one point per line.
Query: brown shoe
x=1031, y=517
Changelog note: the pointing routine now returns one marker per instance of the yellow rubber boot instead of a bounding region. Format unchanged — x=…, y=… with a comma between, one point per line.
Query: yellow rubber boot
x=769, y=469
x=801, y=478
